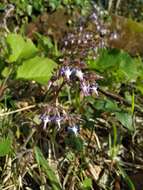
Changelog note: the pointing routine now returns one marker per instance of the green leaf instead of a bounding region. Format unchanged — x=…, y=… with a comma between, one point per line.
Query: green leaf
x=76, y=143
x=106, y=105
x=133, y=102
x=44, y=41
x=125, y=119
x=116, y=64
x=128, y=66
x=6, y=71
x=38, y=69
x=43, y=163
x=126, y=178
x=5, y=146
x=105, y=61
x=54, y=4
x=87, y=184
x=20, y=48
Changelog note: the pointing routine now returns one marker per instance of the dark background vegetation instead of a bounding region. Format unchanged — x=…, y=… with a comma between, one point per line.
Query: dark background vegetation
x=71, y=91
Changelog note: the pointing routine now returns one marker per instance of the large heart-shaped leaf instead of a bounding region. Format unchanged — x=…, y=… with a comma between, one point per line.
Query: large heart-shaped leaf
x=20, y=48
x=38, y=69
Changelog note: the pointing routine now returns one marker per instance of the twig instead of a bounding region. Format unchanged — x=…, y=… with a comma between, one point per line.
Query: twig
x=58, y=91
x=120, y=99
x=115, y=97
x=110, y=4
x=3, y=86
x=7, y=15
x=117, y=5
x=16, y=111
x=28, y=138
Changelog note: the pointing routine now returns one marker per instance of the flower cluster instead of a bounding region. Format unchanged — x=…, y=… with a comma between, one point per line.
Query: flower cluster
x=73, y=71
x=72, y=74
x=58, y=116
x=45, y=118
x=89, y=89
x=90, y=35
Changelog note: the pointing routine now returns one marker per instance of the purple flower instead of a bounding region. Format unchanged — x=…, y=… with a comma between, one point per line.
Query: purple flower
x=65, y=43
x=79, y=41
x=93, y=89
x=88, y=88
x=79, y=74
x=98, y=27
x=85, y=88
x=57, y=119
x=51, y=119
x=73, y=129
x=66, y=71
x=103, y=31
x=94, y=16
x=45, y=119
x=114, y=36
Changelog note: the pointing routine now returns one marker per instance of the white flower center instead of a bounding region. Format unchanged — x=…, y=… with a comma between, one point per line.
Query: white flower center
x=68, y=73
x=79, y=74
